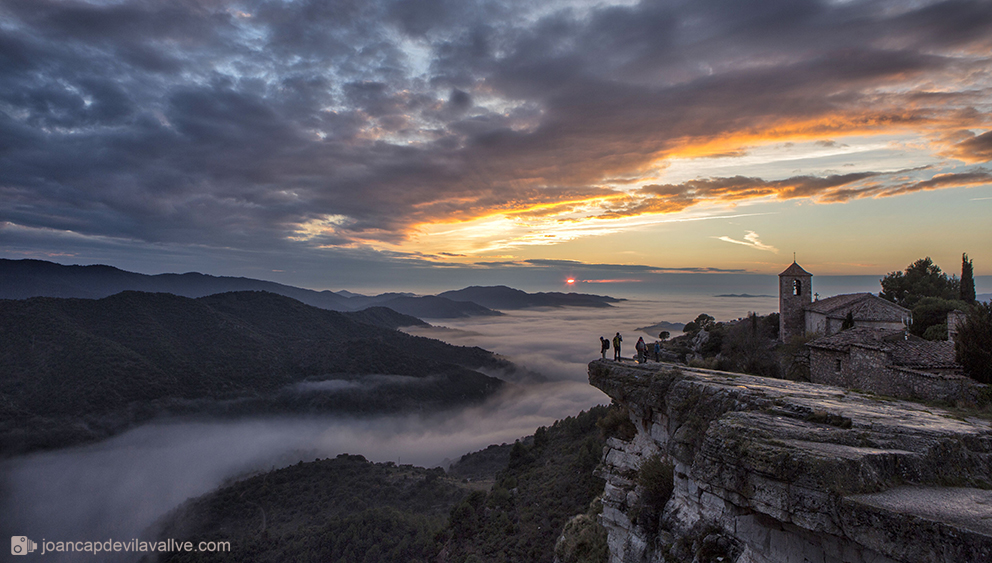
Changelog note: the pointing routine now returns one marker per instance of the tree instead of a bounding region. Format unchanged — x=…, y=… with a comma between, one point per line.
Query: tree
x=967, y=280
x=932, y=311
x=927, y=291
x=922, y=279
x=704, y=321
x=663, y=335
x=973, y=344
x=848, y=321
x=936, y=332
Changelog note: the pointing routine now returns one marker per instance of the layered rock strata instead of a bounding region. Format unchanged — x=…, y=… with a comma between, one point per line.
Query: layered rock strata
x=769, y=471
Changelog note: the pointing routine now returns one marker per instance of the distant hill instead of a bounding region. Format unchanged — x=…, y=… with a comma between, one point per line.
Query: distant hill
x=384, y=317
x=435, y=307
x=79, y=369
x=502, y=297
x=21, y=279
x=655, y=329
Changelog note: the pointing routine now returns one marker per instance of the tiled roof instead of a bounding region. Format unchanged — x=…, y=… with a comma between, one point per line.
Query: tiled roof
x=834, y=303
x=903, y=350
x=863, y=336
x=863, y=306
x=924, y=353
x=795, y=270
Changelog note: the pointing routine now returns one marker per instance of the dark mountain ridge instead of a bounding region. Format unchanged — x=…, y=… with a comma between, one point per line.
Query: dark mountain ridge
x=22, y=279
x=78, y=369
x=502, y=297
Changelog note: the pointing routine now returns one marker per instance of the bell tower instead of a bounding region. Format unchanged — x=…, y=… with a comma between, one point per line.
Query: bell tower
x=795, y=292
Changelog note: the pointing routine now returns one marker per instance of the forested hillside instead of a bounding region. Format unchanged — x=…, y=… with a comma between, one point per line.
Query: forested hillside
x=78, y=369
x=347, y=509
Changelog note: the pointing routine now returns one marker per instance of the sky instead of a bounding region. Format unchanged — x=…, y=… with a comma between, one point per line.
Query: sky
x=426, y=143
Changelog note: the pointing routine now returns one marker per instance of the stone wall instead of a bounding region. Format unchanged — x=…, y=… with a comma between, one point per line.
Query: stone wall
x=867, y=369
x=772, y=471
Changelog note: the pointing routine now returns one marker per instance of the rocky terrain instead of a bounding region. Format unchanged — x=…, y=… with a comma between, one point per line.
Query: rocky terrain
x=726, y=467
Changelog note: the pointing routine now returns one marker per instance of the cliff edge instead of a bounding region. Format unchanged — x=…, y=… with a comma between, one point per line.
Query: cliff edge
x=767, y=471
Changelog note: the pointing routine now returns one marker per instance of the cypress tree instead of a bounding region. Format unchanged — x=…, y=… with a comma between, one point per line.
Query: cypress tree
x=967, y=280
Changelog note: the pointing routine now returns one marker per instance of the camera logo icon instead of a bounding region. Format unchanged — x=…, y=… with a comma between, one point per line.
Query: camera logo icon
x=21, y=545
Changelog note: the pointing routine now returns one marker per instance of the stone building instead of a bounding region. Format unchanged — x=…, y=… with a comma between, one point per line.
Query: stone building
x=795, y=293
x=826, y=316
x=955, y=319
x=800, y=314
x=888, y=362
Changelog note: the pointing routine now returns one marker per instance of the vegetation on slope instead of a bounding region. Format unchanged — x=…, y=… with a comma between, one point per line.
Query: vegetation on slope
x=543, y=486
x=347, y=509
x=746, y=345
x=77, y=369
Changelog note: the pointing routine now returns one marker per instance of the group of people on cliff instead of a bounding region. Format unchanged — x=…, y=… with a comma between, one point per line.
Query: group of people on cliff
x=641, y=347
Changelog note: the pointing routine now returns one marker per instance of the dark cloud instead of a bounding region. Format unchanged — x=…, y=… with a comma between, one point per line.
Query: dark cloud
x=977, y=148
x=676, y=197
x=250, y=124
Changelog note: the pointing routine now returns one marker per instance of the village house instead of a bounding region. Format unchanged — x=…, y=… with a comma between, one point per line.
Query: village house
x=877, y=353
x=888, y=362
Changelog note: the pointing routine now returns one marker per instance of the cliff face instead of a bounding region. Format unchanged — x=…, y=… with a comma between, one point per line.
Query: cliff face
x=769, y=471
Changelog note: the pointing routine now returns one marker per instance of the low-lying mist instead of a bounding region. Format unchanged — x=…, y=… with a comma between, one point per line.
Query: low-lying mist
x=118, y=488
x=559, y=342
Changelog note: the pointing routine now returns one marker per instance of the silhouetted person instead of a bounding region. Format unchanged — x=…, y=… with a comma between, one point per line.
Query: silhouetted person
x=605, y=344
x=657, y=351
x=641, y=348
x=616, y=346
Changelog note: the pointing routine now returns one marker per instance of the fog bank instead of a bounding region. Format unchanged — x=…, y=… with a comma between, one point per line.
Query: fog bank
x=118, y=488
x=559, y=342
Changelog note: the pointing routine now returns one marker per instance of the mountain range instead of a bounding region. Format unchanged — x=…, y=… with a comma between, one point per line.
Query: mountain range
x=21, y=279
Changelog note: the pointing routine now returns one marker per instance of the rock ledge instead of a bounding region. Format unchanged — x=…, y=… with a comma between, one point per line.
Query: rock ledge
x=769, y=471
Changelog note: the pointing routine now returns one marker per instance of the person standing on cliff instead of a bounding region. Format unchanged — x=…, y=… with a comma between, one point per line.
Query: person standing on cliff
x=605, y=344
x=642, y=349
x=616, y=346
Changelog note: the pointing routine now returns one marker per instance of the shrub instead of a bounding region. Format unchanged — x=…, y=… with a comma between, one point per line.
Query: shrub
x=655, y=480
x=616, y=423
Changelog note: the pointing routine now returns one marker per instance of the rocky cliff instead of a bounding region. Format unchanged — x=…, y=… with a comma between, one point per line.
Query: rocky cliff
x=763, y=470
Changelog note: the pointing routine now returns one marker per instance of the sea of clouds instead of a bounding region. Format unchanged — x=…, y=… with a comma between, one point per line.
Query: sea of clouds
x=120, y=487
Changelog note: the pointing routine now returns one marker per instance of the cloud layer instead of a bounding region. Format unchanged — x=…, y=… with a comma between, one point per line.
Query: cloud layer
x=268, y=124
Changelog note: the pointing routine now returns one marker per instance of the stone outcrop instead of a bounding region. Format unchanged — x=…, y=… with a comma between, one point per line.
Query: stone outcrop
x=769, y=471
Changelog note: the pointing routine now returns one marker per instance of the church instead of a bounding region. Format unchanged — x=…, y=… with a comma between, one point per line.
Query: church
x=800, y=314
x=877, y=354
